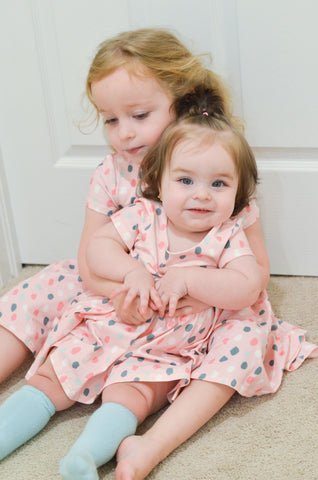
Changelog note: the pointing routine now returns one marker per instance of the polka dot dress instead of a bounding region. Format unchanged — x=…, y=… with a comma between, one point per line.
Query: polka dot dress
x=100, y=349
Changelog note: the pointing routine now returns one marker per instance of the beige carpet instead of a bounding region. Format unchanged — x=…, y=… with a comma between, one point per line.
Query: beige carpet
x=274, y=437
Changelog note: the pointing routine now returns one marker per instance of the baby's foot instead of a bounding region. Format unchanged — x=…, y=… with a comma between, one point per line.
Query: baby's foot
x=136, y=457
x=78, y=467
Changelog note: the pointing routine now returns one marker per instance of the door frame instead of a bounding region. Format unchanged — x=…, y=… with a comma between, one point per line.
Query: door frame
x=10, y=264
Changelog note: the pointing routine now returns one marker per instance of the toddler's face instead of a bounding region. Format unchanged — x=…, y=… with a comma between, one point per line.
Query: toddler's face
x=136, y=111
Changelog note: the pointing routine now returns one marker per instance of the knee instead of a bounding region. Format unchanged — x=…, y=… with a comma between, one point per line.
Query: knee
x=139, y=398
x=46, y=380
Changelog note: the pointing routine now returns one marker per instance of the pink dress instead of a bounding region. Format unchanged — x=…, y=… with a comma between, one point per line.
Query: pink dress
x=95, y=349
x=246, y=350
x=30, y=308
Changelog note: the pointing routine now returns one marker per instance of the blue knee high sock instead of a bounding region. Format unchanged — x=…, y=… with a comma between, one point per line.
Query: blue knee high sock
x=98, y=443
x=24, y=414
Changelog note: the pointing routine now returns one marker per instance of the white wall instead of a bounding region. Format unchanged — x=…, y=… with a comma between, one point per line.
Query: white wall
x=267, y=51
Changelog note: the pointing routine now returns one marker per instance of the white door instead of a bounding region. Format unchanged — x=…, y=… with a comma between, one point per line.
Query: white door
x=46, y=47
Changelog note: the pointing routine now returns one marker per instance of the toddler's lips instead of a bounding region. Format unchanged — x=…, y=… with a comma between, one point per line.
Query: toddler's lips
x=133, y=151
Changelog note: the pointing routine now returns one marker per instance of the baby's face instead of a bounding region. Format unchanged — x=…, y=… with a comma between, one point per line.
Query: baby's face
x=198, y=187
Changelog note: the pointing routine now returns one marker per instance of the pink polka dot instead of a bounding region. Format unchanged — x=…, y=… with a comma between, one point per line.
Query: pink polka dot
x=250, y=379
x=60, y=306
x=163, y=227
x=33, y=296
x=89, y=375
x=63, y=379
x=14, y=317
x=133, y=182
x=106, y=172
x=95, y=360
x=36, y=312
x=254, y=342
x=75, y=350
x=161, y=245
x=242, y=244
x=135, y=367
x=51, y=281
x=225, y=340
x=110, y=203
x=15, y=291
x=106, y=339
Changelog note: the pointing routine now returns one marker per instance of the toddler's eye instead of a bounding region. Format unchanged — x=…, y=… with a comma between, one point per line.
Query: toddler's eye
x=218, y=183
x=186, y=181
x=110, y=121
x=141, y=116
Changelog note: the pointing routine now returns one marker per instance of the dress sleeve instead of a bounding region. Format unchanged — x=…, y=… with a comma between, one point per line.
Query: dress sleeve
x=249, y=214
x=102, y=188
x=236, y=246
x=127, y=222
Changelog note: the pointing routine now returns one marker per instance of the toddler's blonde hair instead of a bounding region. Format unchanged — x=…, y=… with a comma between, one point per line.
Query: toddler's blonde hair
x=158, y=53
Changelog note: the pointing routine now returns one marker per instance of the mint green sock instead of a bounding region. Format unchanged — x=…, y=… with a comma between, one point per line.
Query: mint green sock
x=98, y=443
x=24, y=414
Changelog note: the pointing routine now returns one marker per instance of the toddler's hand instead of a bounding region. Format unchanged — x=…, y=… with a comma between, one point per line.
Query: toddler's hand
x=139, y=283
x=171, y=287
x=130, y=315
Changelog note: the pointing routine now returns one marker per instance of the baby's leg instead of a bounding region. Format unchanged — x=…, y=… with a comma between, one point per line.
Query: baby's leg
x=28, y=410
x=196, y=404
x=124, y=406
x=28, y=310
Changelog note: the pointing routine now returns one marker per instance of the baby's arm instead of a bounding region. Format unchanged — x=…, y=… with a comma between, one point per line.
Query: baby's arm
x=233, y=287
x=188, y=305
x=108, y=256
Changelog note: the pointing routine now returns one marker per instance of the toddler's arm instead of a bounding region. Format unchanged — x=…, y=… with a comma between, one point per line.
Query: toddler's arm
x=256, y=241
x=108, y=256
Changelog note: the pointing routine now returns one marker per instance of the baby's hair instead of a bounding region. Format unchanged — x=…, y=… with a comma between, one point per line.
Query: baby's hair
x=202, y=121
x=157, y=53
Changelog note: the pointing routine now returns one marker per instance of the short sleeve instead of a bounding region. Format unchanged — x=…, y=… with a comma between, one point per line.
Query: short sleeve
x=236, y=246
x=249, y=214
x=101, y=187
x=113, y=185
x=127, y=222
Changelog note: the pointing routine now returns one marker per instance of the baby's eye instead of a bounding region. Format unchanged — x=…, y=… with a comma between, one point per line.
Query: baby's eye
x=186, y=181
x=141, y=116
x=218, y=183
x=110, y=121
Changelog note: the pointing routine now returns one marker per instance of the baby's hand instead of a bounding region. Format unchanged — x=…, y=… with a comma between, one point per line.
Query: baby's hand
x=171, y=287
x=139, y=283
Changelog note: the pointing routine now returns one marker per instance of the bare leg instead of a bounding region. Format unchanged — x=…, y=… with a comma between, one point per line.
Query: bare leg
x=142, y=399
x=46, y=380
x=197, y=403
x=13, y=352
x=124, y=406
